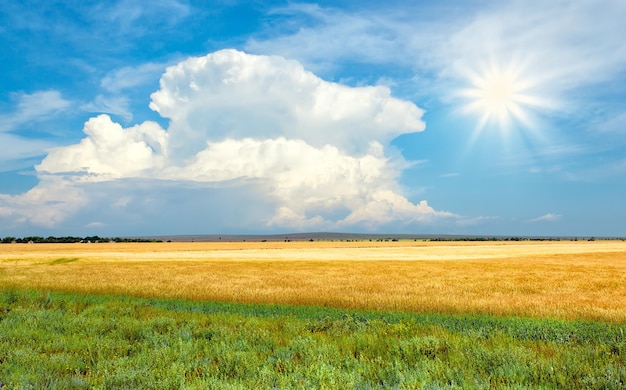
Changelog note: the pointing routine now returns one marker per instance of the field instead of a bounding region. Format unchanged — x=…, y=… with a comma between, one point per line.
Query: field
x=251, y=315
x=565, y=280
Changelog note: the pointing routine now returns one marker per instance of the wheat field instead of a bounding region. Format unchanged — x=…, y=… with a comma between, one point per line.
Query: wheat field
x=566, y=280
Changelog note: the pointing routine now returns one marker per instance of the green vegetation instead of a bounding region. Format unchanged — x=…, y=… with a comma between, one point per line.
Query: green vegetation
x=61, y=340
x=63, y=260
x=69, y=240
x=292, y=237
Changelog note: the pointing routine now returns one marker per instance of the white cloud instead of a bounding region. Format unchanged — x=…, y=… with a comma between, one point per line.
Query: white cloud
x=132, y=17
x=120, y=84
x=385, y=206
x=315, y=150
x=16, y=148
x=110, y=152
x=550, y=217
x=229, y=94
x=132, y=76
x=95, y=225
x=561, y=46
x=303, y=179
x=116, y=105
x=464, y=222
x=35, y=107
x=331, y=34
x=29, y=110
x=47, y=204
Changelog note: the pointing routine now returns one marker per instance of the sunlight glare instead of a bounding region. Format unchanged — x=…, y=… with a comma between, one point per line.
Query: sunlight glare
x=497, y=95
x=501, y=96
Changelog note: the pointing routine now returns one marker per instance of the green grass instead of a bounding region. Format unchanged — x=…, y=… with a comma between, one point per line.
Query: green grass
x=63, y=260
x=60, y=340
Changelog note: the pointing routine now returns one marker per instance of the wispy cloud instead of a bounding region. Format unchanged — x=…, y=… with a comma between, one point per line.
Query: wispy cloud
x=35, y=107
x=550, y=217
x=328, y=36
x=136, y=18
x=95, y=225
x=122, y=86
x=560, y=46
x=132, y=76
x=116, y=105
x=475, y=221
x=20, y=152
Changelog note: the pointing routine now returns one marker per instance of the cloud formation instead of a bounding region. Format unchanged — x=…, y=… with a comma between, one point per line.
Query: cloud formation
x=46, y=205
x=560, y=48
x=20, y=149
x=550, y=217
x=35, y=107
x=29, y=111
x=110, y=152
x=129, y=77
x=230, y=94
x=315, y=150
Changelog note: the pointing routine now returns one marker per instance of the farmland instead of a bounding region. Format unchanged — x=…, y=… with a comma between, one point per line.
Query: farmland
x=565, y=280
x=405, y=314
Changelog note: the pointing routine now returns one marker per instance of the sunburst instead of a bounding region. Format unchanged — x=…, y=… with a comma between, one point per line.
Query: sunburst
x=501, y=96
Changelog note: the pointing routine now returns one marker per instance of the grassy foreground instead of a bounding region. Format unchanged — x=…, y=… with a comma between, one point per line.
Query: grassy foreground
x=64, y=340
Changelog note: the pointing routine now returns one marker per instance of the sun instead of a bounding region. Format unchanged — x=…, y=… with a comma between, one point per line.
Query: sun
x=507, y=101
x=496, y=94
x=501, y=96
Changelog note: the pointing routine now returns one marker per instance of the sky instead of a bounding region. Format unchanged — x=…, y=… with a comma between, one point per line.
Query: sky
x=166, y=117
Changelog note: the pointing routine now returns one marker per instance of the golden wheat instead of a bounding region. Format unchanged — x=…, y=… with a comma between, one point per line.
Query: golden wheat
x=570, y=280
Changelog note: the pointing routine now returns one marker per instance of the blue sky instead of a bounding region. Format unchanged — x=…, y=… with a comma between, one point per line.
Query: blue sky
x=190, y=117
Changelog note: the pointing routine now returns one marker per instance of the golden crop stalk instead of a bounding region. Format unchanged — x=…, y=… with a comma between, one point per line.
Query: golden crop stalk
x=568, y=280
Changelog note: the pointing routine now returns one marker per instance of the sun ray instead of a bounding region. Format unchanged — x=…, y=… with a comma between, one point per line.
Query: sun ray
x=503, y=98
x=496, y=93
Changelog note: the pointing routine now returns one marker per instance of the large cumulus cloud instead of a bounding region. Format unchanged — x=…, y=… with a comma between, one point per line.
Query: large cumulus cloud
x=230, y=94
x=316, y=151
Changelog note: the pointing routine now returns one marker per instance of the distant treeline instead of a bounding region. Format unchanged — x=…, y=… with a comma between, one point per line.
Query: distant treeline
x=90, y=239
x=527, y=238
x=436, y=239
x=70, y=239
x=507, y=239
